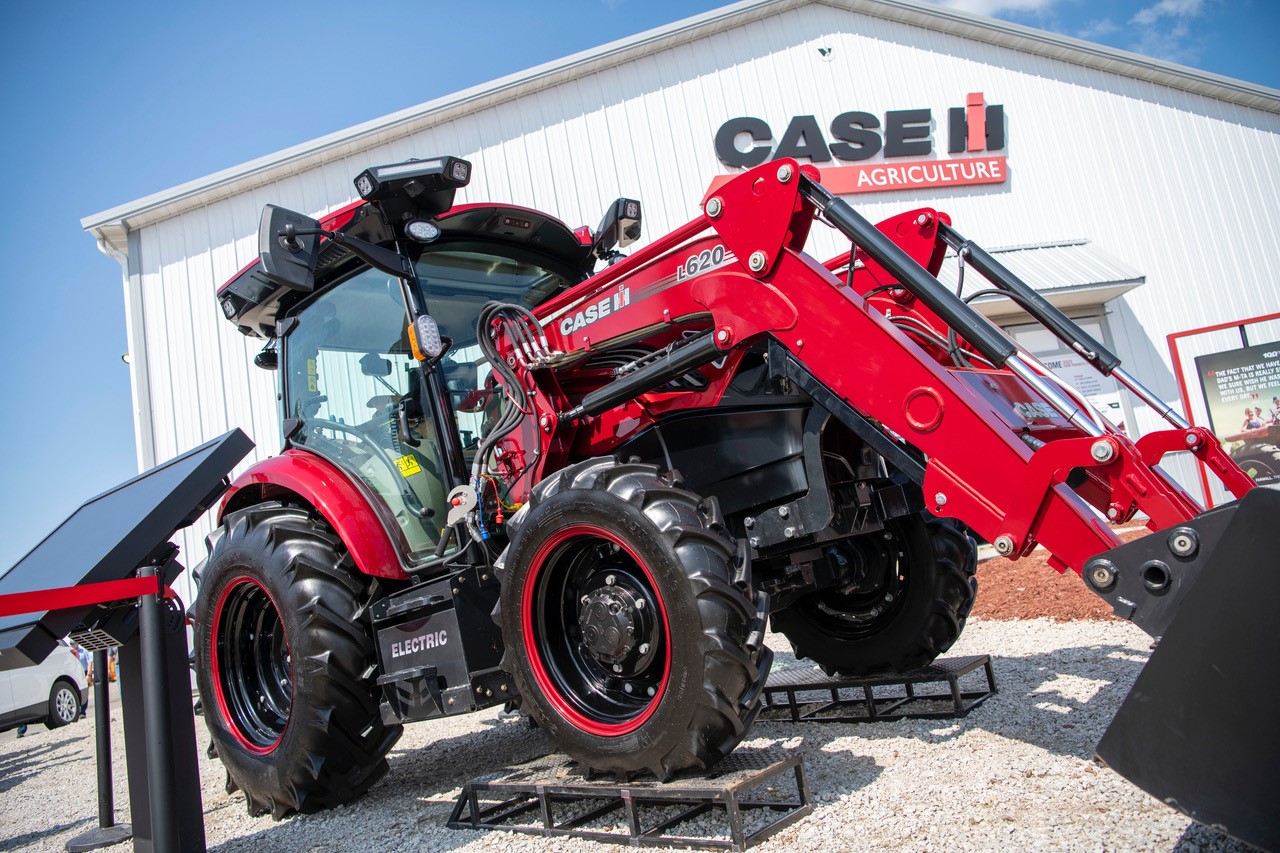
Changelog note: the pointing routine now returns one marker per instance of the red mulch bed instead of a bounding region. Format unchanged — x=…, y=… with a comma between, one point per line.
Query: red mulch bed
x=1029, y=588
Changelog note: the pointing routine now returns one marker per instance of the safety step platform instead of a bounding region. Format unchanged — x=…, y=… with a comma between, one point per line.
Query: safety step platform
x=743, y=800
x=803, y=694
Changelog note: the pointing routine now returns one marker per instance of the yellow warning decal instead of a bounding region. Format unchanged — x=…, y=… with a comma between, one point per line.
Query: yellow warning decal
x=408, y=466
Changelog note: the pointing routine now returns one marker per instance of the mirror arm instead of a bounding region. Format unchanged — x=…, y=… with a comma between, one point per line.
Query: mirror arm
x=392, y=263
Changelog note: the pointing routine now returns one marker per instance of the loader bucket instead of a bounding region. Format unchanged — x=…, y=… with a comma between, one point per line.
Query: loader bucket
x=1200, y=729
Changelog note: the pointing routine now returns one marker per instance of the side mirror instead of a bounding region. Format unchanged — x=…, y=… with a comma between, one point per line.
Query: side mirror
x=620, y=227
x=288, y=246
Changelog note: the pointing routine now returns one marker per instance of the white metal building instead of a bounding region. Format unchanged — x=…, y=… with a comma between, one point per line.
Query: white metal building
x=1141, y=195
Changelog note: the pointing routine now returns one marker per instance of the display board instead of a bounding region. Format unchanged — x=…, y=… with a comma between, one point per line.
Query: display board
x=1241, y=389
x=111, y=535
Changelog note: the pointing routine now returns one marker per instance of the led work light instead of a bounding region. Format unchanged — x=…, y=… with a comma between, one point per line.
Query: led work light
x=413, y=178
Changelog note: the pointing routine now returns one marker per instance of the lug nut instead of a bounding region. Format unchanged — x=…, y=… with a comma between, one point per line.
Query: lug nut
x=644, y=648
x=617, y=667
x=627, y=687
x=756, y=261
x=651, y=691
x=1004, y=545
x=715, y=207
x=784, y=173
x=639, y=604
x=611, y=580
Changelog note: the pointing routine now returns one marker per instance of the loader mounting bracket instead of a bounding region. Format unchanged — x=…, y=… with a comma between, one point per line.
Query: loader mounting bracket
x=1146, y=581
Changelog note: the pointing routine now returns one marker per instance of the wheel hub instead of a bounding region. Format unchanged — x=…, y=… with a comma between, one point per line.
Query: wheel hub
x=610, y=623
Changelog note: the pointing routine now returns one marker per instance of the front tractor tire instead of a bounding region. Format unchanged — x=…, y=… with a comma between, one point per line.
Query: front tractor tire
x=629, y=629
x=283, y=663
x=916, y=589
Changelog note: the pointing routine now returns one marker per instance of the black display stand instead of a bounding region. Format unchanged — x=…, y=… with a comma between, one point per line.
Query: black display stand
x=160, y=735
x=804, y=695
x=743, y=800
x=102, y=577
x=107, y=832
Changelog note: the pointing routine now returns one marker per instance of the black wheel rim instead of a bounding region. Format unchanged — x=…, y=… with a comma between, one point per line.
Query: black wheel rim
x=865, y=608
x=252, y=669
x=596, y=631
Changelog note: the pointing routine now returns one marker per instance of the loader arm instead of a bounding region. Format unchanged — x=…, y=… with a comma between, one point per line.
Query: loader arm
x=1000, y=438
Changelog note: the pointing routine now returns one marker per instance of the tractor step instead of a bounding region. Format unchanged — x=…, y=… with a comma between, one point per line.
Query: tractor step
x=744, y=799
x=802, y=694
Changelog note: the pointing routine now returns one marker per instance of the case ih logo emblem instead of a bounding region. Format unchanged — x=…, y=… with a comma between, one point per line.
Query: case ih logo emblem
x=856, y=136
x=595, y=311
x=429, y=640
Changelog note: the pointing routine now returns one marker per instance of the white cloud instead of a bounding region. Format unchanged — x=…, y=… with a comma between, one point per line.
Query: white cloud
x=993, y=7
x=1168, y=9
x=1164, y=30
x=1098, y=29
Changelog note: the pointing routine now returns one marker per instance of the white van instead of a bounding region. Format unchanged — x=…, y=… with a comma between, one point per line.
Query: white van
x=52, y=693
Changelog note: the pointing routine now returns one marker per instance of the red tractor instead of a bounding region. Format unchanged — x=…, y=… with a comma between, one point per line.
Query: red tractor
x=511, y=478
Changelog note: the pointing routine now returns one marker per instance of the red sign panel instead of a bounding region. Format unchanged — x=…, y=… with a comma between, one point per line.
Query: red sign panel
x=887, y=177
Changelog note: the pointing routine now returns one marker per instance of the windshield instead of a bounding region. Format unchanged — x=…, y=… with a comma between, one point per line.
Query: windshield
x=350, y=375
x=456, y=282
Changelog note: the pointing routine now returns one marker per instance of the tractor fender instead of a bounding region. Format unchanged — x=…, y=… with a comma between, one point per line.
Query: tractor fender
x=322, y=485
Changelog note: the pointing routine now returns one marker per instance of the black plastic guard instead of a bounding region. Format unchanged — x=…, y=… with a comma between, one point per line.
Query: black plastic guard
x=1199, y=729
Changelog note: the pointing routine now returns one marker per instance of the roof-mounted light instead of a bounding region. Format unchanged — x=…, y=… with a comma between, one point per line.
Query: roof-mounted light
x=413, y=178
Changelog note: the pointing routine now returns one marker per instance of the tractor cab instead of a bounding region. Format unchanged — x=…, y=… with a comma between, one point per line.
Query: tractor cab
x=346, y=305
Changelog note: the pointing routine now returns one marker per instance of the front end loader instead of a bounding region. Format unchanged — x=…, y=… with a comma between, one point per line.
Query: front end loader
x=512, y=477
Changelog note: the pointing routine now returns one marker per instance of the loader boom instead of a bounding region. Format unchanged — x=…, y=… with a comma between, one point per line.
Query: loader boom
x=1005, y=449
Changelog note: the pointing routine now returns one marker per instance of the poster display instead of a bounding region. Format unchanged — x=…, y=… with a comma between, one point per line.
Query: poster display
x=1099, y=390
x=1241, y=390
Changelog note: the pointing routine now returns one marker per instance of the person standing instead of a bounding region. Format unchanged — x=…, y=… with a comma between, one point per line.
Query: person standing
x=86, y=663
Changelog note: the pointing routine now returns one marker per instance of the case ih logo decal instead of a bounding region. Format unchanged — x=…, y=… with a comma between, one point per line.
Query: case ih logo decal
x=855, y=136
x=595, y=311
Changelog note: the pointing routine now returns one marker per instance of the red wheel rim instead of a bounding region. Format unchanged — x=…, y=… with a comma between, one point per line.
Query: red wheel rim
x=576, y=679
x=250, y=664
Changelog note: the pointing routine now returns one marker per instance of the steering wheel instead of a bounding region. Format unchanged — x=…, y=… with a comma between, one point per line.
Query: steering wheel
x=366, y=442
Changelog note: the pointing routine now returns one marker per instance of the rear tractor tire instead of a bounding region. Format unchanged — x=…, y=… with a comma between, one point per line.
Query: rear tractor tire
x=917, y=589
x=283, y=664
x=629, y=628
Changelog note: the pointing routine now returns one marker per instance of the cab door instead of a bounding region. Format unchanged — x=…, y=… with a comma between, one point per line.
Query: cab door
x=351, y=380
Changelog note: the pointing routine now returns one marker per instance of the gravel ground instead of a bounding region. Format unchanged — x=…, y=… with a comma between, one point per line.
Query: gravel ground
x=1015, y=774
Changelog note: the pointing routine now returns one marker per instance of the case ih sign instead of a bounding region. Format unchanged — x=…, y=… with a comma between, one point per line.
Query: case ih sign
x=975, y=128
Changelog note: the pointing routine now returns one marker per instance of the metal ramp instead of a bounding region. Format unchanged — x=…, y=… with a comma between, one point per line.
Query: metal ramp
x=743, y=800
x=803, y=694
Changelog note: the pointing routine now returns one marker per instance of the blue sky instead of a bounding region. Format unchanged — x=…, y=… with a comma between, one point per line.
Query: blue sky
x=106, y=103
